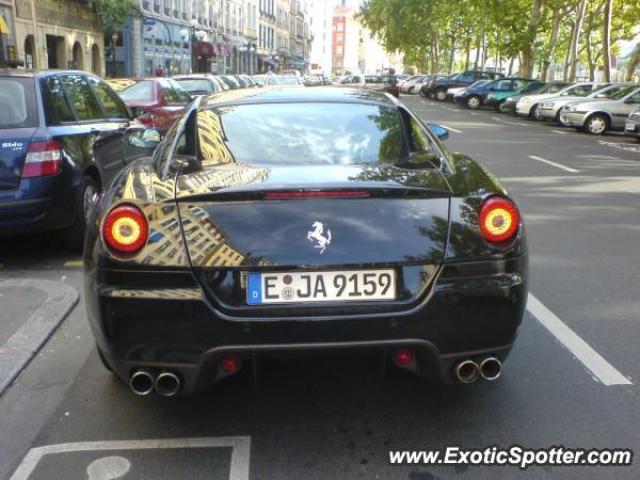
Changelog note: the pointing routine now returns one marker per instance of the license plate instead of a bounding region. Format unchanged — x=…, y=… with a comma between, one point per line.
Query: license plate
x=334, y=286
x=630, y=126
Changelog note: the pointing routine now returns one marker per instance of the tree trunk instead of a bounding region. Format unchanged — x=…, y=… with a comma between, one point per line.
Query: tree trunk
x=567, y=58
x=511, y=62
x=576, y=38
x=528, y=52
x=467, y=49
x=476, y=63
x=592, y=67
x=606, y=40
x=553, y=41
x=452, y=53
x=634, y=61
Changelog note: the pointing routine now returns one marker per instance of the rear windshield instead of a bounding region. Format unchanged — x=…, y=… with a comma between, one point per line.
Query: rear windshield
x=195, y=84
x=554, y=88
x=320, y=134
x=17, y=103
x=138, y=92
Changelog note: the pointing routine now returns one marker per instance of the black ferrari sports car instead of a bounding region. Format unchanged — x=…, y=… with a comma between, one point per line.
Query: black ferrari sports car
x=297, y=220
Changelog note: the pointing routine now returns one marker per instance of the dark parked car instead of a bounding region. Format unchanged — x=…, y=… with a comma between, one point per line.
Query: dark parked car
x=475, y=97
x=367, y=235
x=62, y=142
x=156, y=102
x=438, y=88
x=200, y=84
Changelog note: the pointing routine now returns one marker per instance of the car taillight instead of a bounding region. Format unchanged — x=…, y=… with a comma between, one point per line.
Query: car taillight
x=125, y=229
x=43, y=158
x=499, y=220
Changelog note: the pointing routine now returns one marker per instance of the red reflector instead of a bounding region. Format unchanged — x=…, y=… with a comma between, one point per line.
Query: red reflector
x=499, y=220
x=43, y=158
x=125, y=229
x=316, y=194
x=230, y=363
x=404, y=357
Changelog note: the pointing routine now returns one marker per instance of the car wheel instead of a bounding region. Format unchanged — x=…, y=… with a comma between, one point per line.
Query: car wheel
x=473, y=102
x=86, y=200
x=441, y=94
x=502, y=108
x=597, y=124
x=534, y=113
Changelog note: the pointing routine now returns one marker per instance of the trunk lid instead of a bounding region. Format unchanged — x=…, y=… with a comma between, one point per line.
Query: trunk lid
x=264, y=216
x=14, y=144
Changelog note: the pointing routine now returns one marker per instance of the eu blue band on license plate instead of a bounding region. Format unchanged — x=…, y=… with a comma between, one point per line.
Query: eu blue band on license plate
x=254, y=289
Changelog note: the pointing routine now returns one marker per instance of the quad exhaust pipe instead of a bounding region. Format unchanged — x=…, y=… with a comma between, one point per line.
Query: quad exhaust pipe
x=143, y=382
x=167, y=384
x=468, y=371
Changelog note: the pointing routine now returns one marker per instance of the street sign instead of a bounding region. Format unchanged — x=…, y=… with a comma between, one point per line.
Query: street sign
x=149, y=22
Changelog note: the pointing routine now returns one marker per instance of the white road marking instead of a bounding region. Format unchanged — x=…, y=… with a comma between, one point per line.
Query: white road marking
x=560, y=132
x=513, y=124
x=554, y=164
x=240, y=451
x=449, y=128
x=601, y=369
x=108, y=468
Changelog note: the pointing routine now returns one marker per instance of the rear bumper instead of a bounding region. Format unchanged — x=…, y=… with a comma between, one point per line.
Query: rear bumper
x=173, y=328
x=37, y=205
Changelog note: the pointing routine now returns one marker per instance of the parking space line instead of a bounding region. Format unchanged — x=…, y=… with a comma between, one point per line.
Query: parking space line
x=560, y=132
x=449, y=128
x=599, y=367
x=554, y=164
x=240, y=451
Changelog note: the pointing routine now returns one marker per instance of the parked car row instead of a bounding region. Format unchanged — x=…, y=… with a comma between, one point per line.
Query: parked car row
x=594, y=107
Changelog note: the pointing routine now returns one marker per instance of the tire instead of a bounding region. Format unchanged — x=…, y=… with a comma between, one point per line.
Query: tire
x=87, y=195
x=596, y=124
x=473, y=102
x=498, y=107
x=501, y=108
x=534, y=113
x=441, y=94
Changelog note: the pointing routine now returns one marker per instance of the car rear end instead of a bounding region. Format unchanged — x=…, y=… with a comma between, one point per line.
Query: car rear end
x=632, y=125
x=31, y=181
x=256, y=256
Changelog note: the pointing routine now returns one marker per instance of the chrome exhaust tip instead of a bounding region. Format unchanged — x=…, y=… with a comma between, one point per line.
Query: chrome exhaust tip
x=466, y=371
x=141, y=382
x=490, y=368
x=167, y=384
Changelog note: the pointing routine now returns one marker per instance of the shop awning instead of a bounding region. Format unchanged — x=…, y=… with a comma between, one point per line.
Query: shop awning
x=4, y=28
x=205, y=49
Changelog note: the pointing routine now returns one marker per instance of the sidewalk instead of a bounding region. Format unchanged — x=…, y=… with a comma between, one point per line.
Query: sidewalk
x=30, y=311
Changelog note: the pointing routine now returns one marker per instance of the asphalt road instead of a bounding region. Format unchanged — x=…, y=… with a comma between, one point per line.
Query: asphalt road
x=317, y=417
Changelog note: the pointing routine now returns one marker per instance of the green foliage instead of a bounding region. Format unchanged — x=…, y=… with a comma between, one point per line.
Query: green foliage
x=114, y=13
x=537, y=32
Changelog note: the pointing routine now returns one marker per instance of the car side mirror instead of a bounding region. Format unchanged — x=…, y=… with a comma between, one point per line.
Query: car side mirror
x=440, y=132
x=147, y=139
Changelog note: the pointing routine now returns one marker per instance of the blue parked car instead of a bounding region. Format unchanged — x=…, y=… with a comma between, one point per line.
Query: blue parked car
x=476, y=96
x=64, y=136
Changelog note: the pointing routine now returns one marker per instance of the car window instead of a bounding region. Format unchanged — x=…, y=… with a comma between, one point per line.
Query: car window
x=521, y=83
x=196, y=85
x=284, y=81
x=314, y=133
x=180, y=94
x=466, y=77
x=17, y=103
x=356, y=79
x=138, y=92
x=635, y=98
x=111, y=104
x=580, y=90
x=503, y=85
x=81, y=97
x=419, y=142
x=372, y=79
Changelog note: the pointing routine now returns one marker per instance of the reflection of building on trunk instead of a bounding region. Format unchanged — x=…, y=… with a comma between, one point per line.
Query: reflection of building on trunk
x=215, y=178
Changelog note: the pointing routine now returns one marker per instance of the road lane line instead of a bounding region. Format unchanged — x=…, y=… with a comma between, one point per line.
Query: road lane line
x=554, y=164
x=560, y=132
x=449, y=128
x=601, y=369
x=240, y=451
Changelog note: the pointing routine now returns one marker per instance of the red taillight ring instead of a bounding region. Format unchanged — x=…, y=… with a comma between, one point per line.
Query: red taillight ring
x=499, y=220
x=125, y=229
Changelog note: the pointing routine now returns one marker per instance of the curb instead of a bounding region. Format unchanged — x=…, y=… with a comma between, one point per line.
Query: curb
x=21, y=347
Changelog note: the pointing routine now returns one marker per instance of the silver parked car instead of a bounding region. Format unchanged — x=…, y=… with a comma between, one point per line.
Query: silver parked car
x=550, y=109
x=599, y=116
x=528, y=106
x=632, y=127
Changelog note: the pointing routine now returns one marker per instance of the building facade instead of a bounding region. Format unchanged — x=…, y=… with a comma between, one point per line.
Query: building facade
x=320, y=24
x=53, y=34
